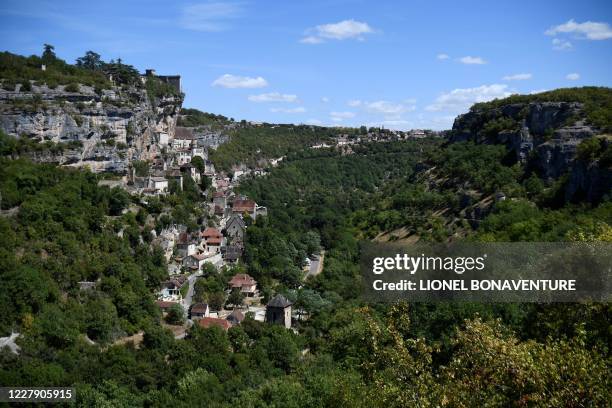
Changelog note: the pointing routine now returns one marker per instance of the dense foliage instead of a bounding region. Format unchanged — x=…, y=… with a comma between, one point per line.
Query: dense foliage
x=60, y=228
x=195, y=118
x=253, y=145
x=597, y=102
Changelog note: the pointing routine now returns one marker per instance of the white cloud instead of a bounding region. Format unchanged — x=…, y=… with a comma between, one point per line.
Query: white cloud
x=462, y=98
x=573, y=76
x=354, y=103
x=588, y=30
x=472, y=60
x=314, y=122
x=517, y=77
x=340, y=116
x=311, y=39
x=325, y=99
x=273, y=97
x=299, y=109
x=442, y=56
x=209, y=16
x=388, y=108
x=343, y=30
x=537, y=91
x=235, y=81
x=561, y=45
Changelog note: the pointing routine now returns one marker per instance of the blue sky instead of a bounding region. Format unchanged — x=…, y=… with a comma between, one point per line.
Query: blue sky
x=398, y=64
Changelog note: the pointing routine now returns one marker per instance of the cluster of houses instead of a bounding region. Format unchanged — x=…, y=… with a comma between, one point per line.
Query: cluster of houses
x=173, y=164
x=277, y=311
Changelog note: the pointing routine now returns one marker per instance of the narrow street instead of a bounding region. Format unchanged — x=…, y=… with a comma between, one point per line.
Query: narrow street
x=316, y=265
x=188, y=299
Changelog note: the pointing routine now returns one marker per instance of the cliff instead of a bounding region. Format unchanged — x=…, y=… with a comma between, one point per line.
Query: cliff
x=545, y=135
x=112, y=126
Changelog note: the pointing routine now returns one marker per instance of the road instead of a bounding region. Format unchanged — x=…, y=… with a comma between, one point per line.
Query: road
x=316, y=265
x=186, y=303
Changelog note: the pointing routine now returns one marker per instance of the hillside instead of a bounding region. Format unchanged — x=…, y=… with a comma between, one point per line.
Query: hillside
x=97, y=114
x=557, y=134
x=100, y=274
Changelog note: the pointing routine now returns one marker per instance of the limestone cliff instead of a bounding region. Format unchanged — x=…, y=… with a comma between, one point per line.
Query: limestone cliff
x=114, y=126
x=543, y=136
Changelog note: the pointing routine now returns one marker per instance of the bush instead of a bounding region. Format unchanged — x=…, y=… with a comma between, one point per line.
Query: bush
x=26, y=86
x=176, y=315
x=72, y=87
x=589, y=149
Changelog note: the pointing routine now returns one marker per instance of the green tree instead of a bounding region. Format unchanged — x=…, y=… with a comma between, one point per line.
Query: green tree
x=235, y=298
x=175, y=315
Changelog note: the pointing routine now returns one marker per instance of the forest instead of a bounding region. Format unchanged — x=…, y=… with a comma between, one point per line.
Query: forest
x=59, y=228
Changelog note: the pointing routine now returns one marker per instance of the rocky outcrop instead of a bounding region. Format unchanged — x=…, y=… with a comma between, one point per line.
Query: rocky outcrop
x=114, y=126
x=543, y=135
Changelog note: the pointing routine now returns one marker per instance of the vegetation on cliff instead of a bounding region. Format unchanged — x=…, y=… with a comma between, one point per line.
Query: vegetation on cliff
x=597, y=103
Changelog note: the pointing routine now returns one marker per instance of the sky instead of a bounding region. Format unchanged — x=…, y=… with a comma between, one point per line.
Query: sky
x=397, y=64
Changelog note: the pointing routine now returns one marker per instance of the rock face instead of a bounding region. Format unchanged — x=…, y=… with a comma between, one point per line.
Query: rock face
x=544, y=136
x=113, y=127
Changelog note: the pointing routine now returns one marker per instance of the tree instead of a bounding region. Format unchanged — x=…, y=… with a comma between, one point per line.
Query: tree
x=176, y=315
x=235, y=298
x=48, y=54
x=205, y=182
x=90, y=60
x=198, y=163
x=216, y=300
x=117, y=201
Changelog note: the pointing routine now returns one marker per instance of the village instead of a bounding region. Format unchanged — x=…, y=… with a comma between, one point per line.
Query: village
x=216, y=247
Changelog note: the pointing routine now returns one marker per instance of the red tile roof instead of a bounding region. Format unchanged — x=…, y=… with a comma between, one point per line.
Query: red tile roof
x=183, y=133
x=242, y=279
x=163, y=305
x=213, y=241
x=199, y=308
x=207, y=322
x=211, y=232
x=244, y=206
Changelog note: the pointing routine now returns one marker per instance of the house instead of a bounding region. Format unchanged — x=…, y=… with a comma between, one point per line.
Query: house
x=171, y=289
x=177, y=176
x=235, y=228
x=199, y=310
x=86, y=285
x=209, y=168
x=183, y=156
x=186, y=245
x=231, y=253
x=198, y=151
x=183, y=138
x=158, y=184
x=219, y=199
x=278, y=311
x=261, y=210
x=207, y=322
x=235, y=318
x=212, y=239
x=244, y=282
x=219, y=211
x=213, y=244
x=165, y=305
x=194, y=261
x=172, y=80
x=163, y=139
x=222, y=183
x=241, y=206
x=191, y=171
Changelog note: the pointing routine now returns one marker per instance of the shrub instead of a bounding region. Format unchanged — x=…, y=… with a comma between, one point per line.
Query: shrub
x=72, y=87
x=26, y=86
